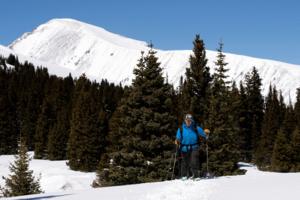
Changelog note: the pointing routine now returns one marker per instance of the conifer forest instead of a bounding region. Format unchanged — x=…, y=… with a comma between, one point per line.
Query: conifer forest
x=126, y=133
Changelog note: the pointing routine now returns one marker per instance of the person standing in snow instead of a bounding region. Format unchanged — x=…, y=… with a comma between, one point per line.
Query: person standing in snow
x=188, y=141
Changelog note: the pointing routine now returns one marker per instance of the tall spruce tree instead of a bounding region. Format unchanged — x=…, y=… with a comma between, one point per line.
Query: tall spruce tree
x=297, y=106
x=44, y=123
x=224, y=153
x=282, y=154
x=296, y=150
x=59, y=132
x=142, y=140
x=195, y=90
x=255, y=111
x=21, y=180
x=84, y=144
x=244, y=121
x=8, y=124
x=271, y=125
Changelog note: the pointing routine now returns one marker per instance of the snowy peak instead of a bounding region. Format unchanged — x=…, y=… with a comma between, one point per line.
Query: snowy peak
x=73, y=27
x=84, y=48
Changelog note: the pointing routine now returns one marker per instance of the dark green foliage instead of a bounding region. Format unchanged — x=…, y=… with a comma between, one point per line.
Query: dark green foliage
x=86, y=139
x=141, y=142
x=254, y=114
x=21, y=180
x=296, y=150
x=297, y=106
x=224, y=152
x=8, y=124
x=59, y=132
x=282, y=154
x=195, y=89
x=44, y=123
x=271, y=125
x=244, y=124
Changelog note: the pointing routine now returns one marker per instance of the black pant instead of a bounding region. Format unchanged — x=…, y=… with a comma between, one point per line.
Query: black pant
x=190, y=164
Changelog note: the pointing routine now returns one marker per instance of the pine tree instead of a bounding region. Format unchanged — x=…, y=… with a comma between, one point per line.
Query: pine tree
x=282, y=157
x=244, y=126
x=195, y=90
x=297, y=106
x=271, y=125
x=8, y=123
x=296, y=150
x=44, y=123
x=86, y=139
x=282, y=154
x=224, y=153
x=59, y=132
x=142, y=146
x=21, y=180
x=255, y=112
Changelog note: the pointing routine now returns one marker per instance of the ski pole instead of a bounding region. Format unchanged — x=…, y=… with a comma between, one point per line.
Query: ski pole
x=207, y=172
x=175, y=158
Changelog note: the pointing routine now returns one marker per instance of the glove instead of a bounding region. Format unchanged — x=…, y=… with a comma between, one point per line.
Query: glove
x=177, y=142
x=207, y=131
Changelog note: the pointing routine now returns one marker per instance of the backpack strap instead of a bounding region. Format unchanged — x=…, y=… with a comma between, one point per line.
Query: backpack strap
x=181, y=132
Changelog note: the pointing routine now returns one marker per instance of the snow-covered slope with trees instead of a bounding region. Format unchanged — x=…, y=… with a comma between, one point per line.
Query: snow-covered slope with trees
x=84, y=48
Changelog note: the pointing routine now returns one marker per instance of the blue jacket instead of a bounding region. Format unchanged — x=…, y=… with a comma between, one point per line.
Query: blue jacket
x=189, y=140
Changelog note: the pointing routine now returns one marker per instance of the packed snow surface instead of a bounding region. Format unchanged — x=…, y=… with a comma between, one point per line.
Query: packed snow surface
x=84, y=48
x=60, y=183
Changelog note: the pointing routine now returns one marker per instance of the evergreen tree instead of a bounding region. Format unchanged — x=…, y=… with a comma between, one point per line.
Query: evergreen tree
x=195, y=90
x=31, y=101
x=271, y=125
x=8, y=123
x=142, y=140
x=296, y=150
x=84, y=144
x=59, y=132
x=224, y=151
x=297, y=106
x=255, y=112
x=282, y=155
x=21, y=180
x=44, y=123
x=244, y=126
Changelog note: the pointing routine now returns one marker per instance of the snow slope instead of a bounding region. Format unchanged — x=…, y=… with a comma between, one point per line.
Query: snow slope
x=60, y=183
x=53, y=68
x=84, y=48
x=55, y=175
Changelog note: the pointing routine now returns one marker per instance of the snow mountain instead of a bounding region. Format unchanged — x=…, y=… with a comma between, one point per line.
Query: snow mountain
x=76, y=47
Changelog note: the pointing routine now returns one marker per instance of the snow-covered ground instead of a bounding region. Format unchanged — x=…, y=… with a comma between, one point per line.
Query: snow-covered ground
x=55, y=175
x=60, y=183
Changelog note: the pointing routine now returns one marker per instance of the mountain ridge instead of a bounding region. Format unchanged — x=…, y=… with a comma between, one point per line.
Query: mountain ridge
x=85, y=48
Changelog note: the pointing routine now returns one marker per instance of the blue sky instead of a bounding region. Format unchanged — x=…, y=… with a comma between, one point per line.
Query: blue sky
x=259, y=28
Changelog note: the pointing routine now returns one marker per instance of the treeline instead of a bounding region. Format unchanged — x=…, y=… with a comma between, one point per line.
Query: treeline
x=45, y=110
x=127, y=133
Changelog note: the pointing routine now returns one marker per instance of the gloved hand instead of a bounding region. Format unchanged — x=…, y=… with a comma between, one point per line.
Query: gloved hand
x=207, y=132
x=177, y=142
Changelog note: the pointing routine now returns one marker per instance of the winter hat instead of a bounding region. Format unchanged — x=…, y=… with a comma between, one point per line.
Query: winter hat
x=188, y=116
